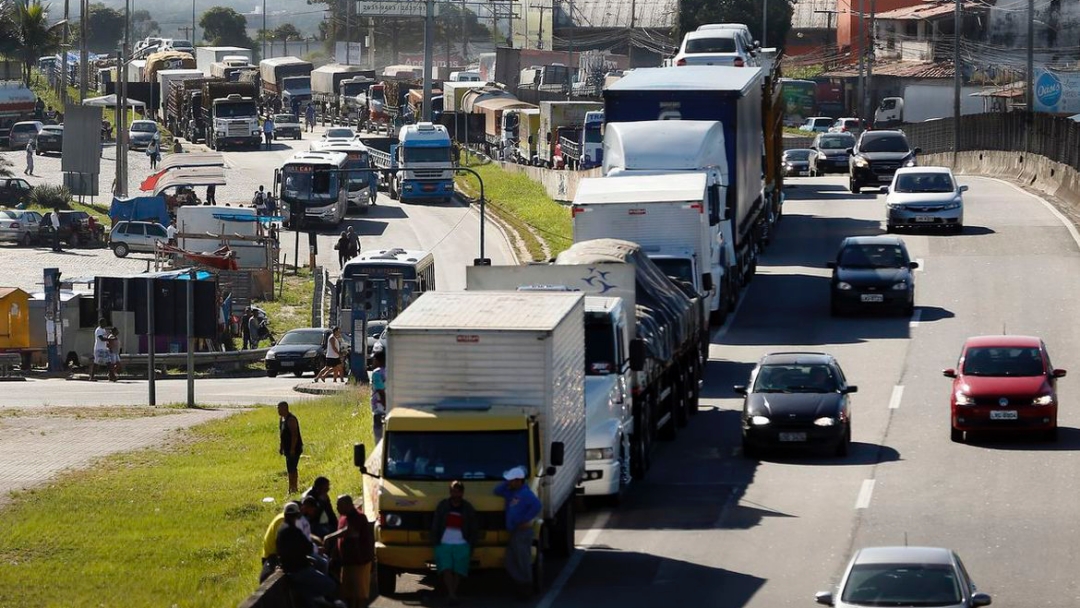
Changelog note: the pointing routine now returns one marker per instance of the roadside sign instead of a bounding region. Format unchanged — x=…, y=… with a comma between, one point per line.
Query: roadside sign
x=394, y=8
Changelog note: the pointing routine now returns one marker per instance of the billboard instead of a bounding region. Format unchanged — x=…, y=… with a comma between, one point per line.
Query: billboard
x=1057, y=92
x=347, y=53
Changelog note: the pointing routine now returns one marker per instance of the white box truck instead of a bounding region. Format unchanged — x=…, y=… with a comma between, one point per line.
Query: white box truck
x=167, y=77
x=477, y=383
x=556, y=116
x=207, y=56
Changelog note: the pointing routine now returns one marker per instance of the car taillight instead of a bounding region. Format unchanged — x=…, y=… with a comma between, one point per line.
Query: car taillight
x=680, y=62
x=739, y=62
x=15, y=225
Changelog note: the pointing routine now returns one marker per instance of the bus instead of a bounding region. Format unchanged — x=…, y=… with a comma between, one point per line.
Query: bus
x=311, y=189
x=363, y=186
x=799, y=100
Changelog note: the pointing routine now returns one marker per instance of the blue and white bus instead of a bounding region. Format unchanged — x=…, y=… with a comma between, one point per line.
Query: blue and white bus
x=312, y=188
x=363, y=185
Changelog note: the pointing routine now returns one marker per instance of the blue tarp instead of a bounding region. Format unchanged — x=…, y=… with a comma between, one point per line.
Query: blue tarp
x=140, y=208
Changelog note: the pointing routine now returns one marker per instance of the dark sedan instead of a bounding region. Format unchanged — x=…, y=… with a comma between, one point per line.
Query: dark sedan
x=876, y=157
x=50, y=139
x=873, y=272
x=796, y=399
x=298, y=351
x=830, y=153
x=796, y=162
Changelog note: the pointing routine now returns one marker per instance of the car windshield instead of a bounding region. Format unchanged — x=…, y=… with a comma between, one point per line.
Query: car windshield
x=902, y=585
x=24, y=129
x=873, y=256
x=454, y=455
x=809, y=378
x=279, y=118
x=923, y=182
x=1003, y=361
x=836, y=143
x=340, y=134
x=144, y=127
x=711, y=45
x=797, y=155
x=884, y=143
x=313, y=338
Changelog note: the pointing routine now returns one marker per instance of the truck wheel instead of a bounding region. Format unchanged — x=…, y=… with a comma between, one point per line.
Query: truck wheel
x=538, y=564
x=562, y=533
x=385, y=579
x=718, y=316
x=682, y=401
x=670, y=430
x=641, y=442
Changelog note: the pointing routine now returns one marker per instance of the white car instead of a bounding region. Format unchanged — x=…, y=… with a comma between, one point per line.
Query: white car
x=334, y=135
x=817, y=124
x=925, y=197
x=716, y=47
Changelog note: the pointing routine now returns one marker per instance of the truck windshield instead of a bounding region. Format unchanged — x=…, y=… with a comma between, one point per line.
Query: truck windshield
x=297, y=82
x=358, y=180
x=378, y=95
x=353, y=89
x=600, y=356
x=593, y=136
x=427, y=155
x=679, y=269
x=243, y=109
x=309, y=185
x=454, y=455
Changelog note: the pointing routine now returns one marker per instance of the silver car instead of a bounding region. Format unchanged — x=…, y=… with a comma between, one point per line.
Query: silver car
x=904, y=577
x=925, y=197
x=23, y=132
x=141, y=133
x=136, y=236
x=19, y=226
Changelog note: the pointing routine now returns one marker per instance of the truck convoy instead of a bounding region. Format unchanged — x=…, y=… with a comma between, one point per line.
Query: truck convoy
x=422, y=157
x=582, y=147
x=230, y=115
x=482, y=382
x=333, y=84
x=557, y=116
x=286, y=78
x=207, y=56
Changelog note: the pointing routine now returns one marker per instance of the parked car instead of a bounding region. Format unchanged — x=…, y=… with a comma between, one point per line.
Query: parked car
x=876, y=157
x=19, y=226
x=817, y=124
x=925, y=197
x=796, y=161
x=23, y=132
x=873, y=272
x=831, y=153
x=77, y=228
x=301, y=350
x=715, y=47
x=286, y=126
x=846, y=125
x=1004, y=383
x=14, y=191
x=50, y=139
x=136, y=236
x=141, y=133
x=796, y=399
x=905, y=577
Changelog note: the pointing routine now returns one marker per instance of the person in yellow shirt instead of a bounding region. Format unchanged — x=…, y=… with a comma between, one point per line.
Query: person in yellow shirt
x=269, y=552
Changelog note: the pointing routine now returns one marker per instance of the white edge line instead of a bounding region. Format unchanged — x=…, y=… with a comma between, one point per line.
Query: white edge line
x=1069, y=225
x=719, y=332
x=866, y=492
x=897, y=395
x=575, y=560
x=916, y=317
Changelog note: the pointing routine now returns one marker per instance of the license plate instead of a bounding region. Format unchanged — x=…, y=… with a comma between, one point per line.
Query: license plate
x=872, y=297
x=924, y=218
x=792, y=437
x=286, y=363
x=428, y=188
x=1003, y=415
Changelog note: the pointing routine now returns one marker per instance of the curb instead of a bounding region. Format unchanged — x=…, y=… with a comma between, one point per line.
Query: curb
x=310, y=388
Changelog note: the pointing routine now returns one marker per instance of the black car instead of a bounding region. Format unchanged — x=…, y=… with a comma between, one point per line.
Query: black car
x=77, y=229
x=830, y=153
x=299, y=351
x=873, y=272
x=796, y=162
x=796, y=400
x=876, y=157
x=14, y=191
x=50, y=139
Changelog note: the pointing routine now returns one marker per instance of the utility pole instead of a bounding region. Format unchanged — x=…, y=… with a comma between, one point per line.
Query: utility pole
x=861, y=92
x=1030, y=84
x=264, y=56
x=630, y=41
x=371, y=40
x=957, y=21
x=870, y=66
x=83, y=51
x=348, y=32
x=569, y=50
x=64, y=56
x=187, y=31
x=429, y=29
x=121, y=110
x=192, y=38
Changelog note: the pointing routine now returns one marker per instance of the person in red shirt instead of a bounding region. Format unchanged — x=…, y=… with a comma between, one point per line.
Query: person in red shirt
x=453, y=530
x=355, y=540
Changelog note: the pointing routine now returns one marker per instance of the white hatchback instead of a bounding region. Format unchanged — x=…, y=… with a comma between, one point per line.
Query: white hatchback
x=716, y=47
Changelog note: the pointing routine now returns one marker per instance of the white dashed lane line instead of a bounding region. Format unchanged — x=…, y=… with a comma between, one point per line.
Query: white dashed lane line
x=897, y=395
x=866, y=492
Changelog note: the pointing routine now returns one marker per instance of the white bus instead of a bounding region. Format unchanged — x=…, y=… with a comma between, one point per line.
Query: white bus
x=363, y=186
x=312, y=189
x=383, y=282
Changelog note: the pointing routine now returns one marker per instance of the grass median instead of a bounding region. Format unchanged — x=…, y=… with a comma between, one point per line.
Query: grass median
x=543, y=224
x=179, y=525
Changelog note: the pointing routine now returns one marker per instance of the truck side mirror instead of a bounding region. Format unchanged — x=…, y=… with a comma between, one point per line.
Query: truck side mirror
x=706, y=281
x=359, y=455
x=558, y=452
x=637, y=354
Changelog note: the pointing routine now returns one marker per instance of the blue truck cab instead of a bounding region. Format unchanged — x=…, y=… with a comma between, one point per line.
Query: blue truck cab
x=424, y=162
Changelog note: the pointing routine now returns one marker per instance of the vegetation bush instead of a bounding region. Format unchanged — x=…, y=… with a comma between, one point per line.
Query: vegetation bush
x=51, y=197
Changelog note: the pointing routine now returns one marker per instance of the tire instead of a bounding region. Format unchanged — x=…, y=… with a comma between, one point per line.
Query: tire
x=958, y=229
x=26, y=241
x=889, y=229
x=956, y=435
x=1050, y=435
x=121, y=250
x=749, y=450
x=641, y=443
x=298, y=373
x=670, y=431
x=682, y=413
x=562, y=533
x=695, y=389
x=909, y=310
x=854, y=186
x=843, y=446
x=297, y=138
x=270, y=374
x=718, y=316
x=74, y=241
x=386, y=579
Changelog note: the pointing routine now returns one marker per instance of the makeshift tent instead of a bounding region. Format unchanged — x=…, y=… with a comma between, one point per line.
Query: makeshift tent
x=190, y=176
x=139, y=208
x=178, y=161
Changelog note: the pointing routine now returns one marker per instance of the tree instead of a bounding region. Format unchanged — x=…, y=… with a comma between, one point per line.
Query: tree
x=287, y=31
x=224, y=26
x=104, y=27
x=25, y=33
x=143, y=25
x=699, y=12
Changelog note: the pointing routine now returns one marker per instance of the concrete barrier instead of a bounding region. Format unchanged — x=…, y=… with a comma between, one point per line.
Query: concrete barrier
x=1054, y=180
x=272, y=593
x=559, y=185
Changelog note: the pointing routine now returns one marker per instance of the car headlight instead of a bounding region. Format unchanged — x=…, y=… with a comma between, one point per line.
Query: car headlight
x=1043, y=400
x=821, y=156
x=902, y=285
x=951, y=206
x=825, y=421
x=963, y=398
x=842, y=286
x=759, y=420
x=861, y=162
x=311, y=353
x=271, y=355
x=600, y=454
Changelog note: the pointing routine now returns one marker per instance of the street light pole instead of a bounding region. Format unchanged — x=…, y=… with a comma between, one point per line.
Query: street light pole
x=429, y=43
x=264, y=35
x=1030, y=73
x=869, y=103
x=480, y=261
x=862, y=60
x=957, y=19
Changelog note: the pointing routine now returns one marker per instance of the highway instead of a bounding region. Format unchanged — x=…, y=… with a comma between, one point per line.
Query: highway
x=712, y=528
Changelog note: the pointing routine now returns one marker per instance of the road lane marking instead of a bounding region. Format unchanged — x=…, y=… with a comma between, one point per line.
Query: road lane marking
x=916, y=317
x=1050, y=206
x=897, y=395
x=575, y=560
x=723, y=329
x=866, y=492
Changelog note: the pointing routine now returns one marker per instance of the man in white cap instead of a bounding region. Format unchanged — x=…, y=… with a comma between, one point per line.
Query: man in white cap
x=522, y=507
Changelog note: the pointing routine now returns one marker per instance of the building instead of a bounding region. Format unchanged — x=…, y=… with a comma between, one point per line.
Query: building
x=925, y=32
x=642, y=30
x=848, y=13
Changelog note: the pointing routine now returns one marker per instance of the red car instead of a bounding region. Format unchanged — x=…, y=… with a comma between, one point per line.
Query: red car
x=1004, y=383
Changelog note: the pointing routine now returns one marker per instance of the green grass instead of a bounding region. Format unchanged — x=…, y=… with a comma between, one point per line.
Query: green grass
x=293, y=309
x=178, y=526
x=101, y=214
x=524, y=204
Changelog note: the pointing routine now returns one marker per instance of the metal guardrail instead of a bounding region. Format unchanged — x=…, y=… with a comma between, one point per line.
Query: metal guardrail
x=201, y=358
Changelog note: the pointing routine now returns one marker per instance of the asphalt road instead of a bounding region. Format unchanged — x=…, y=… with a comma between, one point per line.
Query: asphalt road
x=711, y=528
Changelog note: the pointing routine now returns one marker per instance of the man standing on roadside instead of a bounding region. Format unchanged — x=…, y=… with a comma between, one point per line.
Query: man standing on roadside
x=353, y=241
x=453, y=530
x=292, y=443
x=309, y=114
x=522, y=507
x=254, y=324
x=102, y=355
x=54, y=219
x=268, y=130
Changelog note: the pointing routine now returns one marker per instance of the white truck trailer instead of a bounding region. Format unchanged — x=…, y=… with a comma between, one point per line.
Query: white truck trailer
x=207, y=56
